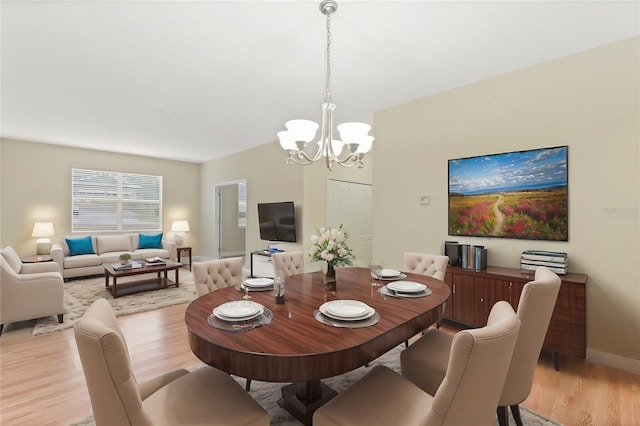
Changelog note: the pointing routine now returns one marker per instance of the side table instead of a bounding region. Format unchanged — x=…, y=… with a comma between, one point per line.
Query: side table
x=188, y=250
x=37, y=259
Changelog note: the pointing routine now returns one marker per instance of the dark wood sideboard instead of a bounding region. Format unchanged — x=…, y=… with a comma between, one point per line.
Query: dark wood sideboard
x=473, y=293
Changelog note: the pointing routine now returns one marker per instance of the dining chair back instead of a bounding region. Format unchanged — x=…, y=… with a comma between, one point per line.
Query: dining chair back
x=214, y=274
x=205, y=396
x=535, y=308
x=431, y=265
x=478, y=363
x=289, y=262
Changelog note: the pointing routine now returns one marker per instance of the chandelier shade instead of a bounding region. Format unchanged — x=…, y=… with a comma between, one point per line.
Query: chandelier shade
x=354, y=136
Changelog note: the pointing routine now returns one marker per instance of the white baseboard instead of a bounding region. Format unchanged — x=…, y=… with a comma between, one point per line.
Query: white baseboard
x=614, y=361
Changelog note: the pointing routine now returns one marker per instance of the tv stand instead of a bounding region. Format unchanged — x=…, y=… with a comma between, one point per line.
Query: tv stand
x=261, y=266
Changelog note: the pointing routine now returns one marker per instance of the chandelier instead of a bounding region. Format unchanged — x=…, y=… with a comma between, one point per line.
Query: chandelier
x=355, y=140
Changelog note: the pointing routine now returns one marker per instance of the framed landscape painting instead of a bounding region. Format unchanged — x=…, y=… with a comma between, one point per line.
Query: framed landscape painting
x=520, y=194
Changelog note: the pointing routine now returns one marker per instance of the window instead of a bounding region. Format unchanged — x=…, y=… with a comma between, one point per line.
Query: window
x=110, y=201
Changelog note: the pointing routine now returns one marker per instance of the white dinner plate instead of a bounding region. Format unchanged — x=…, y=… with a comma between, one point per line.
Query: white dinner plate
x=258, y=282
x=239, y=310
x=407, y=286
x=387, y=273
x=347, y=310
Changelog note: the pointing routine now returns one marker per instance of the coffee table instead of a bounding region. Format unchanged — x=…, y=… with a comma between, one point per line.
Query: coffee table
x=139, y=286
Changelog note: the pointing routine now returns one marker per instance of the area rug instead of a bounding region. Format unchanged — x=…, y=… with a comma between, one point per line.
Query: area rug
x=79, y=294
x=267, y=394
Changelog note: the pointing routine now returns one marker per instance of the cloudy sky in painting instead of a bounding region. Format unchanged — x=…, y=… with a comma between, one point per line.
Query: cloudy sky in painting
x=512, y=171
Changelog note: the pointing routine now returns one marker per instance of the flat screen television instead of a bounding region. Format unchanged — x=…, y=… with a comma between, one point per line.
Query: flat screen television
x=520, y=194
x=277, y=221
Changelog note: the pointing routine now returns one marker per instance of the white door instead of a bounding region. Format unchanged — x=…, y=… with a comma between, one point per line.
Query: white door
x=351, y=205
x=230, y=219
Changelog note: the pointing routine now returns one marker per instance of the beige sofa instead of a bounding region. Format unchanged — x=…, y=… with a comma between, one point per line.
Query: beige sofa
x=107, y=249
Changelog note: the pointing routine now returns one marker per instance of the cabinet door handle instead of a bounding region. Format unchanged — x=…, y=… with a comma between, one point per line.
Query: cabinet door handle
x=454, y=289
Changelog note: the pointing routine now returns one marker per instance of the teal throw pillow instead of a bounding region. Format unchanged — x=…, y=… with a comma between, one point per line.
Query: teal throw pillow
x=80, y=245
x=150, y=241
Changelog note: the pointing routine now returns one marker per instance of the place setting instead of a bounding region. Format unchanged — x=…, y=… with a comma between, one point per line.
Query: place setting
x=255, y=284
x=240, y=315
x=405, y=289
x=386, y=274
x=346, y=313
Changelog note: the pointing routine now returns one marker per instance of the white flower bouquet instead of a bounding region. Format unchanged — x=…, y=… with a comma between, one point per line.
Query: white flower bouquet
x=330, y=245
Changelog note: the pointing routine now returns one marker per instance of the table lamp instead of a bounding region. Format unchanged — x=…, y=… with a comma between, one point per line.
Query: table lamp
x=179, y=227
x=43, y=230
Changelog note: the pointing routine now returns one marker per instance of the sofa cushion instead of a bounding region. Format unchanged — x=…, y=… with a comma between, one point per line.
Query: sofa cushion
x=111, y=243
x=79, y=246
x=150, y=241
x=82, y=261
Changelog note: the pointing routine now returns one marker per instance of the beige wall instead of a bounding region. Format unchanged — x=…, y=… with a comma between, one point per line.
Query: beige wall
x=36, y=186
x=590, y=102
x=270, y=179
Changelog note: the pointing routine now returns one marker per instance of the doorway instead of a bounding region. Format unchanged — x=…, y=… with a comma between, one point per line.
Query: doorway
x=230, y=221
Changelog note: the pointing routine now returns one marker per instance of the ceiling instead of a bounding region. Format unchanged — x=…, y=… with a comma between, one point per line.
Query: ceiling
x=199, y=80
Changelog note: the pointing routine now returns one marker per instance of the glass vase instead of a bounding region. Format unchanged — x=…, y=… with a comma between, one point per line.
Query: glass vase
x=330, y=277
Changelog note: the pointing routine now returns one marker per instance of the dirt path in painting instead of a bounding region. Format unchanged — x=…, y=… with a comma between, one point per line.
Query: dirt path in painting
x=499, y=216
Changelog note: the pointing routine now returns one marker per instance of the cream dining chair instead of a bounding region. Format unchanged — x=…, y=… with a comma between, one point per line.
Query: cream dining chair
x=215, y=274
x=205, y=396
x=477, y=366
x=425, y=362
x=431, y=265
x=289, y=262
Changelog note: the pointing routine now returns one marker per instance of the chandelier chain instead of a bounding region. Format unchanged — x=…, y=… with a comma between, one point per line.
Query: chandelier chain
x=327, y=88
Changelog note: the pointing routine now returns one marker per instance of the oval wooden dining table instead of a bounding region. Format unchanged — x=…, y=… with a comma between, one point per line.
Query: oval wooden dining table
x=298, y=349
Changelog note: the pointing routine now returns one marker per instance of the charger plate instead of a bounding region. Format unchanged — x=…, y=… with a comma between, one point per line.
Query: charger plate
x=236, y=326
x=367, y=322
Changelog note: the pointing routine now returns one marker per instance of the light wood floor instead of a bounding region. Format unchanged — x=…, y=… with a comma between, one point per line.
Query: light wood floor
x=42, y=381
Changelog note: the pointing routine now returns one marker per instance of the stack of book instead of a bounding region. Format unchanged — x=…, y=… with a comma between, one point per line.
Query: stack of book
x=473, y=257
x=554, y=260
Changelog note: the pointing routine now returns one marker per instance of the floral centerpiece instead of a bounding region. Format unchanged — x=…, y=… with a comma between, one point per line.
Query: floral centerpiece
x=330, y=246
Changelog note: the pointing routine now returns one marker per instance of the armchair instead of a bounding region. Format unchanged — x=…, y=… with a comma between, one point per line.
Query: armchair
x=28, y=290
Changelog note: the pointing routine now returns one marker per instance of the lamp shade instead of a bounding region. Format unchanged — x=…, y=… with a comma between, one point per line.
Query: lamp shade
x=180, y=226
x=42, y=229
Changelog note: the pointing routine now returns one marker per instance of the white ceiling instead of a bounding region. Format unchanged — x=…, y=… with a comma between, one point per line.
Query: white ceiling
x=198, y=80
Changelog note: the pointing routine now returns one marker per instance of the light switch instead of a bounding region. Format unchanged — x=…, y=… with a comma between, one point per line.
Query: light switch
x=425, y=199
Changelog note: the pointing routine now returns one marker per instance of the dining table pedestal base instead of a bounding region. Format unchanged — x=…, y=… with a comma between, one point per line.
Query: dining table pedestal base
x=302, y=399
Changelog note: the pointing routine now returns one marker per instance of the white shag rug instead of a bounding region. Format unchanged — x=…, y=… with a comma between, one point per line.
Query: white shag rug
x=267, y=394
x=79, y=294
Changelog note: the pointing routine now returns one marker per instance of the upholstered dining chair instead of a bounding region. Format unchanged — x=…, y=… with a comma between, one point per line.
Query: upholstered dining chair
x=477, y=367
x=425, y=362
x=289, y=262
x=29, y=290
x=205, y=396
x=431, y=265
x=214, y=274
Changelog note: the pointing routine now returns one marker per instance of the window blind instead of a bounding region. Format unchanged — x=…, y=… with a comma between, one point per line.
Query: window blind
x=112, y=201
